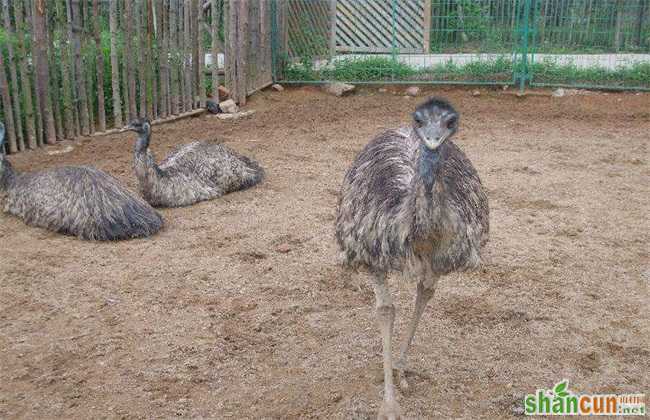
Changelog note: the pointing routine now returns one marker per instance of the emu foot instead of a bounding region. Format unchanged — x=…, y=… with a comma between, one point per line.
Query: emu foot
x=402, y=372
x=389, y=411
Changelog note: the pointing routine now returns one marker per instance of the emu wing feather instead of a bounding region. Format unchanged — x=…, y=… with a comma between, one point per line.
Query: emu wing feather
x=387, y=219
x=199, y=171
x=81, y=201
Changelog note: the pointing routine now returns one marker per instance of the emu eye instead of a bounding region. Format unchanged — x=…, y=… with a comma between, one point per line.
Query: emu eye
x=452, y=122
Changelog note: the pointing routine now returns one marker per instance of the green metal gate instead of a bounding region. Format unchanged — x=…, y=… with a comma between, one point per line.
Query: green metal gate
x=577, y=43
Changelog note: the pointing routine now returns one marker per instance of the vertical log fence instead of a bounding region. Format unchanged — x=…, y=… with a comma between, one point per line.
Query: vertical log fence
x=72, y=68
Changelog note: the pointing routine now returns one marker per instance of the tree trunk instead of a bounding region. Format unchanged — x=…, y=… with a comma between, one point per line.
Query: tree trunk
x=15, y=92
x=619, y=25
x=142, y=52
x=200, y=63
x=70, y=119
x=89, y=67
x=231, y=49
x=38, y=115
x=187, y=54
x=75, y=23
x=639, y=24
x=7, y=108
x=181, y=55
x=173, y=36
x=162, y=40
x=152, y=106
x=25, y=82
x=215, y=51
x=130, y=76
x=101, y=111
x=242, y=52
x=115, y=66
x=461, y=21
x=55, y=74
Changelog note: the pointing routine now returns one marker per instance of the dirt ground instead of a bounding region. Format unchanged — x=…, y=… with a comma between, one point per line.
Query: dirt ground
x=210, y=318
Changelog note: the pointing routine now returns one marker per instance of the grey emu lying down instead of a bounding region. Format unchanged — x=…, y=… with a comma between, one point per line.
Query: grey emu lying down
x=78, y=201
x=412, y=202
x=194, y=172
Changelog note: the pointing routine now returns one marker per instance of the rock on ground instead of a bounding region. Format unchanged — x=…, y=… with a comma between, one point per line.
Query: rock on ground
x=229, y=106
x=558, y=93
x=277, y=87
x=413, y=91
x=224, y=93
x=236, y=115
x=338, y=88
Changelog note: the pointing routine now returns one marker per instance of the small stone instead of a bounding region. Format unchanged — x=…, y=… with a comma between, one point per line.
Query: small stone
x=277, y=87
x=338, y=88
x=382, y=90
x=236, y=115
x=229, y=106
x=224, y=93
x=283, y=248
x=559, y=92
x=66, y=149
x=413, y=91
x=476, y=93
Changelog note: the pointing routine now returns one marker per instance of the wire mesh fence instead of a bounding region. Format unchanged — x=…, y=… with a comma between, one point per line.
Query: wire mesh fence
x=582, y=43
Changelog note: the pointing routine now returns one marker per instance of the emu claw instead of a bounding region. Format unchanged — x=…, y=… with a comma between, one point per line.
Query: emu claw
x=389, y=411
x=402, y=372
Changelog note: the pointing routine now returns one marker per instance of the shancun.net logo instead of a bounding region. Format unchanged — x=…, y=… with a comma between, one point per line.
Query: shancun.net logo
x=560, y=401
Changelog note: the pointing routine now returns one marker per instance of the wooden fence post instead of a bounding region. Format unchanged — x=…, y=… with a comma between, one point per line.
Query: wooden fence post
x=333, y=28
x=426, y=27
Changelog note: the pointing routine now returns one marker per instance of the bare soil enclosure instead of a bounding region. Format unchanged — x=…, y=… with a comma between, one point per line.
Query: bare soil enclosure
x=238, y=309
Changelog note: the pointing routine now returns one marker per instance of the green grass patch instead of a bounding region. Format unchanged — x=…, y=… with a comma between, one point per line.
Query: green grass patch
x=547, y=71
x=502, y=69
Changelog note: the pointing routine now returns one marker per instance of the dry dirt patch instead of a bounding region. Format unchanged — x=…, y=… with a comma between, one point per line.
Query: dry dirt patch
x=238, y=309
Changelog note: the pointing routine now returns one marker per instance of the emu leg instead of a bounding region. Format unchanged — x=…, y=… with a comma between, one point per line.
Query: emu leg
x=385, y=317
x=424, y=293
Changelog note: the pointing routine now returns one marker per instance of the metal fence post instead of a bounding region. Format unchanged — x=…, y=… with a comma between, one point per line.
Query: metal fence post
x=394, y=38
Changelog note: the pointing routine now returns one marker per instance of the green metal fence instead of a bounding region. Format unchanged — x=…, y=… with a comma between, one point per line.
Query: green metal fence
x=579, y=43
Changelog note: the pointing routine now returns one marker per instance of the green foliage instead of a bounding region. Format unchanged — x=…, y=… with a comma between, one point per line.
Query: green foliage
x=371, y=69
x=475, y=20
x=548, y=71
x=500, y=69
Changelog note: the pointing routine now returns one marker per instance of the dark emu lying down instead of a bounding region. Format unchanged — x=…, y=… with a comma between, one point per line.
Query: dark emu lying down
x=79, y=201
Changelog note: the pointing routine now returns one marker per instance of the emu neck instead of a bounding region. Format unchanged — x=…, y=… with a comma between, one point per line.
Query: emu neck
x=146, y=169
x=429, y=163
x=427, y=195
x=142, y=144
x=7, y=174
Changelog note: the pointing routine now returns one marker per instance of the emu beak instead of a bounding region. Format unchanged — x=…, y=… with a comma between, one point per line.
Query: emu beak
x=431, y=144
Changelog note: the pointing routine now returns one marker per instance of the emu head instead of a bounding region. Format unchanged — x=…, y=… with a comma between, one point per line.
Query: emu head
x=435, y=121
x=140, y=126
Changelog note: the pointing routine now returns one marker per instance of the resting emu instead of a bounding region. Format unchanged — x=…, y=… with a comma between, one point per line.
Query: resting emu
x=79, y=201
x=195, y=172
x=412, y=202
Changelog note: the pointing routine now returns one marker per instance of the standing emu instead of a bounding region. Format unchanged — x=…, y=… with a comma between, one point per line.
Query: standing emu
x=79, y=201
x=412, y=202
x=195, y=172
